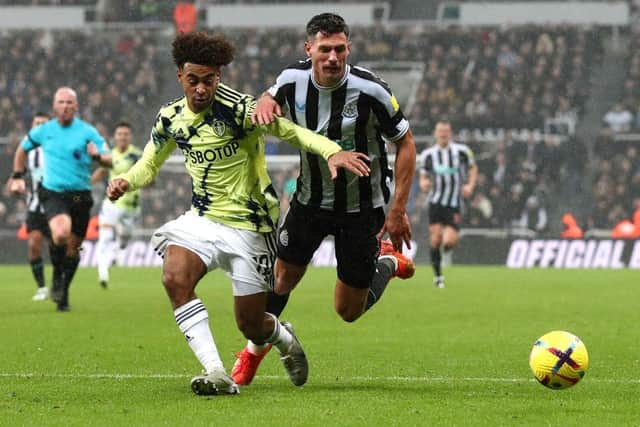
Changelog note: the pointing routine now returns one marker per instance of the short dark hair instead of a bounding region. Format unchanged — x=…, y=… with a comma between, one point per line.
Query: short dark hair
x=327, y=23
x=41, y=114
x=123, y=124
x=202, y=49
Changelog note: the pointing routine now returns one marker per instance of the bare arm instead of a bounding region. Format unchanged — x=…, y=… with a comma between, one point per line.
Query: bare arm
x=103, y=159
x=397, y=223
x=98, y=175
x=17, y=184
x=467, y=189
x=425, y=182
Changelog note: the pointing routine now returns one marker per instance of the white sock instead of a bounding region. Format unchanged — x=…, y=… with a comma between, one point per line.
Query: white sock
x=193, y=320
x=281, y=338
x=256, y=349
x=105, y=249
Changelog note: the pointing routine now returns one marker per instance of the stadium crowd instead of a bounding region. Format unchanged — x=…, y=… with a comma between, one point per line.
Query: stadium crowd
x=498, y=79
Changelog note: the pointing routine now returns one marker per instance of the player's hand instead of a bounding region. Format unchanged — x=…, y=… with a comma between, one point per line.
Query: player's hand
x=17, y=186
x=92, y=149
x=117, y=188
x=358, y=163
x=467, y=191
x=398, y=227
x=265, y=110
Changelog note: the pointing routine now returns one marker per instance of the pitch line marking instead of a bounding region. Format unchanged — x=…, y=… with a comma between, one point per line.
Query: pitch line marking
x=123, y=376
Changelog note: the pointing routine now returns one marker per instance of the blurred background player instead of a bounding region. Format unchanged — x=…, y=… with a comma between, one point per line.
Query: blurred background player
x=117, y=219
x=355, y=108
x=231, y=224
x=36, y=223
x=447, y=172
x=69, y=145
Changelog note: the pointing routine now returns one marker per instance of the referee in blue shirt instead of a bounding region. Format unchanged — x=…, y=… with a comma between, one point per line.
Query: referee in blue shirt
x=70, y=146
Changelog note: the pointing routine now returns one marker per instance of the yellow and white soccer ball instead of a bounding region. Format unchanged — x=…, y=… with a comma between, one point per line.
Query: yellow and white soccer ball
x=559, y=360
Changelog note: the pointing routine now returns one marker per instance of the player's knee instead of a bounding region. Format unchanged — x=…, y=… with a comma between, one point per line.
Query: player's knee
x=178, y=288
x=348, y=312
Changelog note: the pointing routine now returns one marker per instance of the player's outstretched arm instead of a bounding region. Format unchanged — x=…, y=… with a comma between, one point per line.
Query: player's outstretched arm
x=355, y=162
x=397, y=223
x=145, y=170
x=116, y=188
x=307, y=140
x=265, y=110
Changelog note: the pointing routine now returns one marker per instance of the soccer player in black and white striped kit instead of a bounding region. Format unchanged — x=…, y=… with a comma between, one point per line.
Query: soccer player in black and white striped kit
x=448, y=172
x=36, y=223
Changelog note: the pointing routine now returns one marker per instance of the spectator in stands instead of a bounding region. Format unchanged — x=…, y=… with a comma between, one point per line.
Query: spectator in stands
x=571, y=228
x=618, y=119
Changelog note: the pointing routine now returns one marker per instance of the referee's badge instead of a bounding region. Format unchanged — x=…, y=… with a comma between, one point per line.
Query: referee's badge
x=350, y=110
x=219, y=127
x=284, y=238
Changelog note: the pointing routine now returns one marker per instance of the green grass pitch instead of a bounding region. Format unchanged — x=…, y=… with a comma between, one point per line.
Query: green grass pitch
x=422, y=356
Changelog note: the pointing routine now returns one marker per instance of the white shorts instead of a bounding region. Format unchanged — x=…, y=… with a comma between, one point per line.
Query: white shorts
x=246, y=256
x=123, y=220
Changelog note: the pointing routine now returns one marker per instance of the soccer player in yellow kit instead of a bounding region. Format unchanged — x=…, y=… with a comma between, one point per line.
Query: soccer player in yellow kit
x=117, y=219
x=232, y=221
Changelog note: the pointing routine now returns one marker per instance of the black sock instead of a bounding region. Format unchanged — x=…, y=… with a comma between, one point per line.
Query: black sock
x=37, y=268
x=276, y=303
x=69, y=267
x=436, y=259
x=381, y=279
x=57, y=254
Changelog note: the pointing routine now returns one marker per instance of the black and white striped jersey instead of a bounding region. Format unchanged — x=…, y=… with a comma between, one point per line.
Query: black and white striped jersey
x=447, y=169
x=361, y=114
x=35, y=166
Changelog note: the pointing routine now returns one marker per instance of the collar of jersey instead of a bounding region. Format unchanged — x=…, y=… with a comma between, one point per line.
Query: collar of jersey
x=187, y=111
x=337, y=85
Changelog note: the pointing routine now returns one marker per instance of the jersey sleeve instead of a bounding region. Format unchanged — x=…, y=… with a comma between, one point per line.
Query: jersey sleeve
x=279, y=89
x=96, y=138
x=468, y=157
x=32, y=139
x=156, y=152
x=301, y=138
x=391, y=121
x=425, y=163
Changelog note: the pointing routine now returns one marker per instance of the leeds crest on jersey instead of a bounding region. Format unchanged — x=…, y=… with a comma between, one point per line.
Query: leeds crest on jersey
x=219, y=127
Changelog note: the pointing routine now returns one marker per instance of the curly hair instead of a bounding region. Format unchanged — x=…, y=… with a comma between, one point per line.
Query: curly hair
x=202, y=49
x=327, y=23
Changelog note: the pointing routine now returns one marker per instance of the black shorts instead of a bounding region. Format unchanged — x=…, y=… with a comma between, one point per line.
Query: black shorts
x=76, y=204
x=356, y=243
x=444, y=215
x=37, y=221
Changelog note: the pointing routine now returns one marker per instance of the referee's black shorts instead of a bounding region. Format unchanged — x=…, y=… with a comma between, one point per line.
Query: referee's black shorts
x=356, y=243
x=444, y=215
x=37, y=221
x=76, y=204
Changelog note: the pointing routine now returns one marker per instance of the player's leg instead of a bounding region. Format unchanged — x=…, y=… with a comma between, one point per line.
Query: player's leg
x=362, y=275
x=106, y=246
x=105, y=249
x=435, y=235
x=264, y=328
x=299, y=236
x=450, y=237
x=34, y=253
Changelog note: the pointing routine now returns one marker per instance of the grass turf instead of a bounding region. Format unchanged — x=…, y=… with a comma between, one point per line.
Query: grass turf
x=422, y=356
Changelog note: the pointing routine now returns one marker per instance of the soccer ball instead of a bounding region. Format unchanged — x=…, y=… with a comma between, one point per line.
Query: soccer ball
x=559, y=360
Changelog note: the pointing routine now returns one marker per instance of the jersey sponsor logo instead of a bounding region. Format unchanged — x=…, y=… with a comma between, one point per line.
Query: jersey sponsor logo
x=445, y=170
x=219, y=127
x=350, y=110
x=212, y=154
